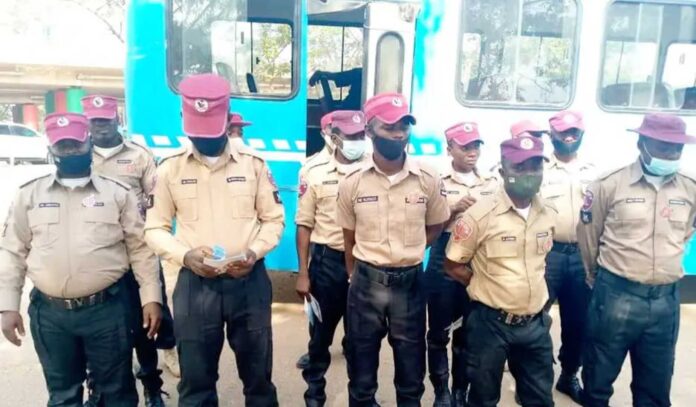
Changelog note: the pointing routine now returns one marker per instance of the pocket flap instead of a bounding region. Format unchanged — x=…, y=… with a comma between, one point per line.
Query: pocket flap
x=501, y=249
x=102, y=214
x=42, y=216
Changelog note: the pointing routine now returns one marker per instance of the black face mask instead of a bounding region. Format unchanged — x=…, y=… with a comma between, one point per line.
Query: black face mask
x=566, y=148
x=71, y=166
x=211, y=147
x=389, y=149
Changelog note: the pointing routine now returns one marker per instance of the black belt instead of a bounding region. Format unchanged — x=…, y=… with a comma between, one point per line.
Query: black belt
x=76, y=303
x=565, y=248
x=324, y=250
x=506, y=317
x=634, y=287
x=389, y=276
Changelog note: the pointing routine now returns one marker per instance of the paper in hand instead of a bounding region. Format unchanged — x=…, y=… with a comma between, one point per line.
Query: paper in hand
x=312, y=309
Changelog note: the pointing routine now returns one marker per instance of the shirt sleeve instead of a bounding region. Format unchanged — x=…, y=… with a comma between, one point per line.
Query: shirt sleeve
x=345, y=211
x=15, y=244
x=158, y=226
x=591, y=226
x=464, y=239
x=438, y=210
x=348, y=78
x=142, y=259
x=269, y=209
x=306, y=204
x=149, y=178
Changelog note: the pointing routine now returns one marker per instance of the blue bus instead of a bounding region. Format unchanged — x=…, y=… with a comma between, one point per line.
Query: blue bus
x=495, y=62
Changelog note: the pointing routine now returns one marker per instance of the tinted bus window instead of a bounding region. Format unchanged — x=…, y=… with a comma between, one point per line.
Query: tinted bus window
x=389, y=63
x=649, y=57
x=333, y=49
x=517, y=52
x=250, y=43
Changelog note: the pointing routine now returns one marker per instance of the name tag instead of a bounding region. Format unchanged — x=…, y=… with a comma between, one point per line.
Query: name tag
x=453, y=192
x=509, y=239
x=635, y=200
x=334, y=182
x=49, y=205
x=484, y=193
x=543, y=234
x=124, y=161
x=677, y=202
x=98, y=204
x=189, y=181
x=236, y=179
x=364, y=199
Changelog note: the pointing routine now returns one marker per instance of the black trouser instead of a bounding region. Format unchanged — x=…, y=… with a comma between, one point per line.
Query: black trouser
x=329, y=285
x=393, y=306
x=447, y=302
x=565, y=277
x=205, y=309
x=638, y=319
x=100, y=336
x=527, y=348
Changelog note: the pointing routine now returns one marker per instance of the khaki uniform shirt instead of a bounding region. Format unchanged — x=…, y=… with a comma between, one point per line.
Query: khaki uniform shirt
x=319, y=157
x=564, y=185
x=633, y=230
x=233, y=203
x=131, y=164
x=486, y=185
x=507, y=254
x=72, y=243
x=316, y=207
x=389, y=219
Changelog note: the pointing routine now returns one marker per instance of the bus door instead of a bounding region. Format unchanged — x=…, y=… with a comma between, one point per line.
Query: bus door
x=256, y=46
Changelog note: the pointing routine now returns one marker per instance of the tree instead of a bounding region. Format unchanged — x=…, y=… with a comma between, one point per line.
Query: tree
x=5, y=112
x=110, y=12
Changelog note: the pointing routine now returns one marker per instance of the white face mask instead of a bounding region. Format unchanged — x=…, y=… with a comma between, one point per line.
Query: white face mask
x=353, y=149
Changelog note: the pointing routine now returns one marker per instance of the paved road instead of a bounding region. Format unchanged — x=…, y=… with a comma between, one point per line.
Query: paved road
x=22, y=382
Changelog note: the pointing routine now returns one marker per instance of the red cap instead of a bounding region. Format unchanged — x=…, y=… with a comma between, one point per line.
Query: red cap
x=567, y=119
x=520, y=149
x=525, y=127
x=463, y=133
x=326, y=120
x=205, y=102
x=236, y=119
x=348, y=121
x=100, y=107
x=66, y=126
x=388, y=108
x=664, y=127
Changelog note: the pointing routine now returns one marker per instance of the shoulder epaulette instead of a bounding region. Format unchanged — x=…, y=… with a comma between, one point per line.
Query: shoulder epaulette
x=690, y=175
x=34, y=180
x=115, y=181
x=482, y=207
x=139, y=146
x=356, y=170
x=175, y=154
x=609, y=173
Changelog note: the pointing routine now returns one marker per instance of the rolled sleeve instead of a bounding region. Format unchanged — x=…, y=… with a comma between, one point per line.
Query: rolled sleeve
x=270, y=213
x=14, y=248
x=463, y=241
x=306, y=205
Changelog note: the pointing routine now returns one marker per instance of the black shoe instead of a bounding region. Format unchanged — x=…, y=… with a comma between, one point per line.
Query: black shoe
x=443, y=398
x=459, y=398
x=570, y=386
x=154, y=398
x=303, y=362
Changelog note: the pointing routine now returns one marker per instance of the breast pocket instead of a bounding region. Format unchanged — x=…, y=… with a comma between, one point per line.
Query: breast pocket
x=184, y=197
x=629, y=216
x=544, y=242
x=326, y=199
x=102, y=226
x=414, y=230
x=44, y=224
x=367, y=222
x=679, y=215
x=500, y=250
x=242, y=199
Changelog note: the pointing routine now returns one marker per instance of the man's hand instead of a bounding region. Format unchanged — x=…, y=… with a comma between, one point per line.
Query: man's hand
x=242, y=268
x=11, y=322
x=303, y=285
x=316, y=76
x=464, y=204
x=152, y=317
x=194, y=261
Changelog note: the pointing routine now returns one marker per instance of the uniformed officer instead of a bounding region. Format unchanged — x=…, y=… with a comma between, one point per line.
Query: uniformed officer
x=566, y=177
x=133, y=165
x=235, y=128
x=226, y=197
x=75, y=234
x=498, y=249
x=324, y=276
x=390, y=210
x=635, y=222
x=323, y=155
x=447, y=299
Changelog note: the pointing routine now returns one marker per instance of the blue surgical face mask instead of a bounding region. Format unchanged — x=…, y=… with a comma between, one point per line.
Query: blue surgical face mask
x=659, y=166
x=353, y=149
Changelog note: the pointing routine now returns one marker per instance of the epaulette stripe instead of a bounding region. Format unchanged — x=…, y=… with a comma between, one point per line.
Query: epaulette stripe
x=35, y=179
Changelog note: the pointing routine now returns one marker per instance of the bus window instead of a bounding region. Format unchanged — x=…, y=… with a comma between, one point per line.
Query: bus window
x=334, y=49
x=519, y=53
x=649, y=57
x=389, y=63
x=250, y=43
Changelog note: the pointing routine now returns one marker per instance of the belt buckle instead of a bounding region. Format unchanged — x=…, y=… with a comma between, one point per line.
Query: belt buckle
x=79, y=301
x=509, y=318
x=68, y=304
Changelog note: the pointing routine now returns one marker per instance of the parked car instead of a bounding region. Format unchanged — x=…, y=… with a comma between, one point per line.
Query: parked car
x=20, y=144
